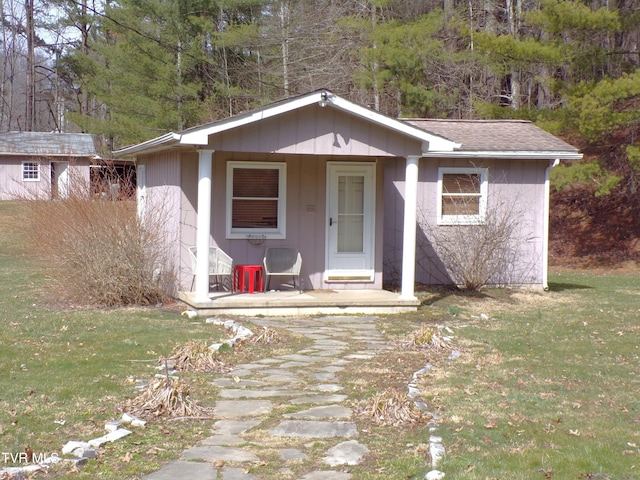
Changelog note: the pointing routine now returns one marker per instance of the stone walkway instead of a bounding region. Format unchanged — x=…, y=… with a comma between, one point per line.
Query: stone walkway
x=279, y=414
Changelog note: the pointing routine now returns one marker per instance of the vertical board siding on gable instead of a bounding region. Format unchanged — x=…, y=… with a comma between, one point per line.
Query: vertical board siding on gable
x=510, y=182
x=163, y=202
x=316, y=131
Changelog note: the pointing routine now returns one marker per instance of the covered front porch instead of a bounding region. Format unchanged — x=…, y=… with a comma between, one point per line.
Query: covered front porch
x=292, y=302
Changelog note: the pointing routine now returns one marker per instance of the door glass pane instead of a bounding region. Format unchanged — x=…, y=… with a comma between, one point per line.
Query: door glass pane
x=350, y=213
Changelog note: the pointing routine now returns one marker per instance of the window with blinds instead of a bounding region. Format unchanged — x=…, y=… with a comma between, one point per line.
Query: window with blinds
x=462, y=195
x=255, y=199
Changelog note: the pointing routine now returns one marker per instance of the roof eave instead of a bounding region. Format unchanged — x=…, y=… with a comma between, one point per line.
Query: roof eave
x=324, y=98
x=524, y=155
x=155, y=144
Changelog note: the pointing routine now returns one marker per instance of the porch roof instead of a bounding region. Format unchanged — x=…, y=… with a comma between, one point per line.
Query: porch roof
x=439, y=137
x=199, y=136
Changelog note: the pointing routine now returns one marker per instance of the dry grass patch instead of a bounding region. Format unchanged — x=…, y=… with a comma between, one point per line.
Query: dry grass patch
x=165, y=398
x=391, y=407
x=196, y=357
x=267, y=336
x=426, y=337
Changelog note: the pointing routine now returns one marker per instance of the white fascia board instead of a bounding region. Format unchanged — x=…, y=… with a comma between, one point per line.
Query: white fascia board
x=149, y=146
x=200, y=135
x=525, y=155
x=430, y=141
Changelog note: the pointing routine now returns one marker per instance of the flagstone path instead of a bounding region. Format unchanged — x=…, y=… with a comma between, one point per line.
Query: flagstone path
x=278, y=414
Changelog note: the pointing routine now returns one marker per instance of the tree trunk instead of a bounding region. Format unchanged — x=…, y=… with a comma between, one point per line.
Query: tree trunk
x=30, y=107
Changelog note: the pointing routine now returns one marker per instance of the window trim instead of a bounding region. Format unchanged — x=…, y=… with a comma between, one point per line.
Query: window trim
x=268, y=233
x=477, y=219
x=24, y=171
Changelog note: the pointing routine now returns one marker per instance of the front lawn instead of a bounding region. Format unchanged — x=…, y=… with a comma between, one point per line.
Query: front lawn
x=548, y=386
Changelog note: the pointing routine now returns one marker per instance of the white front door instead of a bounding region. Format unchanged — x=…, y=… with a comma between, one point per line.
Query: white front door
x=59, y=179
x=350, y=221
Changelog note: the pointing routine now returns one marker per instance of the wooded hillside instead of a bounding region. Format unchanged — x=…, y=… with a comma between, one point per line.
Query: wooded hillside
x=130, y=70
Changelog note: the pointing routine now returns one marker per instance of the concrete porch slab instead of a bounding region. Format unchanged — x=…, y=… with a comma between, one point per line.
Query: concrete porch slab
x=312, y=302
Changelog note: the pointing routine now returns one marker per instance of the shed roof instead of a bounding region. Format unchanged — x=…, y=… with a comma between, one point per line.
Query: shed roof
x=47, y=144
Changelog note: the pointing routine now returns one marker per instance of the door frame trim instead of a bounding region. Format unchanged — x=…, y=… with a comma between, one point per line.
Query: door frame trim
x=351, y=275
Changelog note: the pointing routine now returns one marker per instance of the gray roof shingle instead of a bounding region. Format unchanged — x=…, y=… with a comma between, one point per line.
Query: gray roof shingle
x=494, y=135
x=45, y=144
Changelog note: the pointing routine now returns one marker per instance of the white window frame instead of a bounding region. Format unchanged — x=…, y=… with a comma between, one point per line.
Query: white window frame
x=268, y=233
x=29, y=163
x=477, y=219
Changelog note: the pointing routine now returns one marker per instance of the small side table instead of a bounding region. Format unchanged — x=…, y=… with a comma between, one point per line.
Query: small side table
x=251, y=274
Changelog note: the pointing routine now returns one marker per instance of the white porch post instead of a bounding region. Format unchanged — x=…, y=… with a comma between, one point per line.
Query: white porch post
x=409, y=230
x=203, y=225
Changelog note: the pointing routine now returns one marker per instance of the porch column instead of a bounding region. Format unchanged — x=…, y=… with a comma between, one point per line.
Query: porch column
x=409, y=231
x=203, y=225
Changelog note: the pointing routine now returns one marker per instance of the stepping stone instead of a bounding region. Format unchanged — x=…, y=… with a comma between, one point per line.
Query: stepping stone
x=240, y=393
x=178, y=469
x=323, y=377
x=242, y=408
x=328, y=411
x=326, y=475
x=243, y=383
x=236, y=474
x=314, y=429
x=212, y=453
x=346, y=453
x=305, y=359
x=327, y=387
x=282, y=379
x=234, y=427
x=319, y=399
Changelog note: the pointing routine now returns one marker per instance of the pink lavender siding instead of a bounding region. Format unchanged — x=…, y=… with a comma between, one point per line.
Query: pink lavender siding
x=316, y=131
x=516, y=182
x=12, y=186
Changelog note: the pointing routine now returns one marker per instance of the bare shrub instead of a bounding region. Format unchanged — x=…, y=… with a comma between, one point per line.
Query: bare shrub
x=489, y=253
x=98, y=252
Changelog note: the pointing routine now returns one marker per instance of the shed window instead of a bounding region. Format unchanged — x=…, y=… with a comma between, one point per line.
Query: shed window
x=462, y=196
x=30, y=171
x=256, y=199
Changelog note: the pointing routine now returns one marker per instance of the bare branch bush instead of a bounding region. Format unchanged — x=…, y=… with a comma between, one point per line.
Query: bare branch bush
x=98, y=252
x=489, y=253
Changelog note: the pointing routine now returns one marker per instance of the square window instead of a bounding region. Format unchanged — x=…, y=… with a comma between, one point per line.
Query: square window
x=30, y=172
x=256, y=201
x=462, y=196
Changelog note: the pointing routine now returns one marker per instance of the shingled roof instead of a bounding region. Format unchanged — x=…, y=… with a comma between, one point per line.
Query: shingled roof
x=45, y=144
x=494, y=135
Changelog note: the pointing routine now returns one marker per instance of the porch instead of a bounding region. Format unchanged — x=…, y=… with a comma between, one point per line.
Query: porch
x=291, y=303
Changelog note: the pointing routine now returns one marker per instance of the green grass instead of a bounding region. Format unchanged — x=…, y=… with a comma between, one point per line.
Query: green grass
x=65, y=371
x=547, y=387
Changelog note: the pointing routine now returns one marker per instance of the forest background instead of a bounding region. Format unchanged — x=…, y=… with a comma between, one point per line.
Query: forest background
x=130, y=70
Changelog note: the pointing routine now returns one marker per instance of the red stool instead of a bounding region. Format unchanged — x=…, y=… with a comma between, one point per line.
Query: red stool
x=251, y=274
